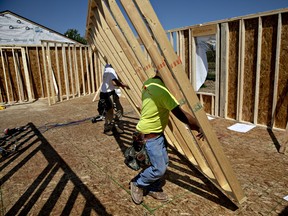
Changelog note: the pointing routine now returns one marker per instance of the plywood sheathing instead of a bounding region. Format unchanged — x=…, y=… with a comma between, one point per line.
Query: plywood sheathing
x=281, y=112
x=35, y=71
x=245, y=60
x=268, y=47
x=233, y=69
x=250, y=62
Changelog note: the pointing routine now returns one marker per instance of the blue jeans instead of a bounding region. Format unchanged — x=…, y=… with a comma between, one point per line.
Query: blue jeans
x=150, y=178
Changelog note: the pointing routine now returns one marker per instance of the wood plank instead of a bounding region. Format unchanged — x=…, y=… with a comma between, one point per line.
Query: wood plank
x=51, y=73
x=91, y=69
x=217, y=71
x=224, y=59
x=39, y=72
x=5, y=76
x=71, y=72
x=60, y=95
x=276, y=76
x=65, y=68
x=82, y=71
x=257, y=85
x=76, y=71
x=87, y=70
x=27, y=75
x=199, y=31
x=46, y=75
x=241, y=70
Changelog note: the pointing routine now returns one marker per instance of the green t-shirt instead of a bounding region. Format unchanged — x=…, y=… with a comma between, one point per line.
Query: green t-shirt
x=157, y=102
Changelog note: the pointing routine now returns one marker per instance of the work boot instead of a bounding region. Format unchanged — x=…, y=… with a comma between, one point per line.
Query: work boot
x=136, y=193
x=108, y=132
x=108, y=129
x=119, y=128
x=161, y=196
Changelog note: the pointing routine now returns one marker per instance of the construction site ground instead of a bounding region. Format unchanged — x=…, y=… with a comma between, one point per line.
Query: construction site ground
x=63, y=164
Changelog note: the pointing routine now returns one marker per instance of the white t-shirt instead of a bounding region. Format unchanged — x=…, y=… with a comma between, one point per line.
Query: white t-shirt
x=108, y=75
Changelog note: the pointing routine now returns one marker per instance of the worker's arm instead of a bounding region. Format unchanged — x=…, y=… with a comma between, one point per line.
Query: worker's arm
x=188, y=119
x=117, y=82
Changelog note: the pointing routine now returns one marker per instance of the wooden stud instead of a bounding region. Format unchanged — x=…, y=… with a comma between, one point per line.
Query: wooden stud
x=39, y=72
x=5, y=77
x=65, y=69
x=60, y=95
x=76, y=72
x=257, y=85
x=82, y=71
x=46, y=75
x=224, y=70
x=71, y=74
x=91, y=69
x=276, y=77
x=27, y=75
x=241, y=70
x=87, y=70
x=217, y=71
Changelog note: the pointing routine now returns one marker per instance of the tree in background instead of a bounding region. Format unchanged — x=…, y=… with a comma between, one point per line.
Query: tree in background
x=74, y=34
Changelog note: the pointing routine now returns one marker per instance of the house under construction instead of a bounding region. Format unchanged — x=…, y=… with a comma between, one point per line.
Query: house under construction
x=249, y=83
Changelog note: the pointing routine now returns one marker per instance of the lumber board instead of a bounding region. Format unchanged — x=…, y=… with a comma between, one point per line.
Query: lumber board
x=241, y=70
x=91, y=70
x=71, y=72
x=46, y=75
x=276, y=73
x=199, y=31
x=5, y=75
x=60, y=95
x=82, y=72
x=224, y=53
x=87, y=70
x=76, y=71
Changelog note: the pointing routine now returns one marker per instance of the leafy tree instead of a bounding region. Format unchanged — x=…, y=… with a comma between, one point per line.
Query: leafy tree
x=74, y=34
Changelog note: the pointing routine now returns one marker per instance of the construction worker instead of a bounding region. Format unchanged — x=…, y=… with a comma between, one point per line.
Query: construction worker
x=157, y=102
x=112, y=102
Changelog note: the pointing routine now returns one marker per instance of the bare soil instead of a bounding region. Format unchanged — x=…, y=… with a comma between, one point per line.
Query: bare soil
x=64, y=165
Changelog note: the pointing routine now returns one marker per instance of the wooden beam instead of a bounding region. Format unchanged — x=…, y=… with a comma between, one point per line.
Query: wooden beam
x=46, y=75
x=224, y=61
x=60, y=95
x=5, y=76
x=258, y=68
x=276, y=76
x=27, y=75
x=65, y=69
x=241, y=70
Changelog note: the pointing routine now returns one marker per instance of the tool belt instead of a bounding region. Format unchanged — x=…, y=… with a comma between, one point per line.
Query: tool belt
x=136, y=156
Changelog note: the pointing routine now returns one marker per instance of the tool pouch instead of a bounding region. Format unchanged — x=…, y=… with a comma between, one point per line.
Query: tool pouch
x=136, y=156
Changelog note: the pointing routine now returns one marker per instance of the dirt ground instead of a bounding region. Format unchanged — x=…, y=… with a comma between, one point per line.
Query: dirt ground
x=64, y=165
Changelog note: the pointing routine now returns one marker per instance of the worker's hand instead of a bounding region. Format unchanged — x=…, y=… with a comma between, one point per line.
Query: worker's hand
x=126, y=86
x=200, y=135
